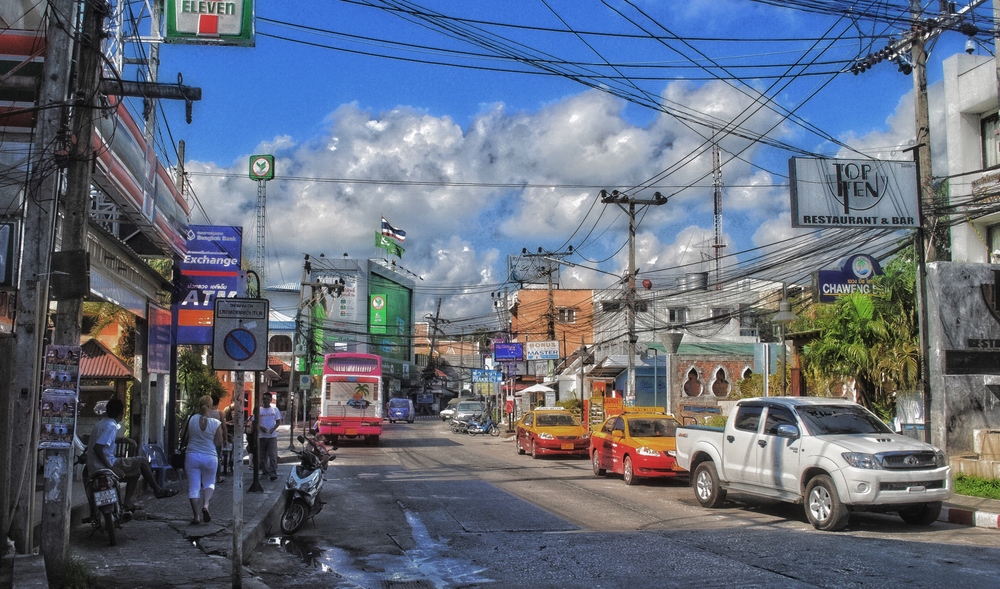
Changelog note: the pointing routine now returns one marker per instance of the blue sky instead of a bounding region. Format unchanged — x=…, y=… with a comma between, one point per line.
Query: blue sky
x=476, y=164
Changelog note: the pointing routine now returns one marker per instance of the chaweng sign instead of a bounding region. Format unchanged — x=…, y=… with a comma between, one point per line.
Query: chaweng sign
x=222, y=22
x=856, y=275
x=853, y=193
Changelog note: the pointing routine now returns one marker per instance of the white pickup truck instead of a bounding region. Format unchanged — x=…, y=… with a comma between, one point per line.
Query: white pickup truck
x=832, y=455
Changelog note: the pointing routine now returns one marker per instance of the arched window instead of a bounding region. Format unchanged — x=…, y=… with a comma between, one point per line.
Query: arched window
x=692, y=386
x=279, y=344
x=721, y=386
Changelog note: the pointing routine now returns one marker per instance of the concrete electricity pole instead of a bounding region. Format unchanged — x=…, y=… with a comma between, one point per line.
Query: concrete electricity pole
x=39, y=222
x=621, y=199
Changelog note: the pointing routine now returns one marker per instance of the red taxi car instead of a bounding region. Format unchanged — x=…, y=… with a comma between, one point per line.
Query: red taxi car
x=551, y=430
x=636, y=445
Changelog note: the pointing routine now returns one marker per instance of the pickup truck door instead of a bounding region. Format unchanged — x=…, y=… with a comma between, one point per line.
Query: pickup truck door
x=777, y=456
x=739, y=451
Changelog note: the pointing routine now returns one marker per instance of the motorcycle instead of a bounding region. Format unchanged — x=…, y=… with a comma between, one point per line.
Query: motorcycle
x=462, y=427
x=304, y=484
x=104, y=495
x=485, y=426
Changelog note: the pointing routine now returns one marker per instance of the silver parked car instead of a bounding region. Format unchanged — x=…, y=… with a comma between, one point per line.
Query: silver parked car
x=467, y=410
x=449, y=411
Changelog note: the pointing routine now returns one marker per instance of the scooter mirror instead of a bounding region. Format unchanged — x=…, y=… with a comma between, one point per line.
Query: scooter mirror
x=302, y=439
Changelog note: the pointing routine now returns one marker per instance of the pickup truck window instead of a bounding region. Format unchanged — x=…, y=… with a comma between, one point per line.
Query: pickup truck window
x=748, y=417
x=777, y=416
x=841, y=419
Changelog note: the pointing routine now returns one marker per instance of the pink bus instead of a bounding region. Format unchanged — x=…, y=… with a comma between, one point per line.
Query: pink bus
x=351, y=397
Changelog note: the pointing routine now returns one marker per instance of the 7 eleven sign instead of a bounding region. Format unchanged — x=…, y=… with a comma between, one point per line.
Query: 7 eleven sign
x=216, y=22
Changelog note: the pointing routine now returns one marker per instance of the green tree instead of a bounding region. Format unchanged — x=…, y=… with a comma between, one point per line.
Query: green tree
x=873, y=338
x=196, y=379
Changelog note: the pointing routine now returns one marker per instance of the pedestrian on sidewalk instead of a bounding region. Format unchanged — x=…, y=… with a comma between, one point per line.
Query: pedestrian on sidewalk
x=101, y=454
x=216, y=414
x=201, y=462
x=267, y=437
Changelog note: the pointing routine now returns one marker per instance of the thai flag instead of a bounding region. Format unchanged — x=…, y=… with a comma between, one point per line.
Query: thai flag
x=392, y=232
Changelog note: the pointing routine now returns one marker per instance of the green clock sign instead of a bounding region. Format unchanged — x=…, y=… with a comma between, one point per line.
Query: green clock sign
x=262, y=167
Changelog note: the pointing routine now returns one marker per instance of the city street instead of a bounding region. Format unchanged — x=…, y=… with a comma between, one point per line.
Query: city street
x=429, y=508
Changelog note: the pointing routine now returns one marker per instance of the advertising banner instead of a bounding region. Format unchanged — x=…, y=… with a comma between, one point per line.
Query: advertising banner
x=376, y=320
x=158, y=340
x=60, y=391
x=508, y=352
x=548, y=350
x=210, y=270
x=853, y=193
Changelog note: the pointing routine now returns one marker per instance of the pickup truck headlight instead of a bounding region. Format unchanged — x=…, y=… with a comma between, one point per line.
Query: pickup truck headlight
x=646, y=451
x=940, y=459
x=546, y=436
x=862, y=460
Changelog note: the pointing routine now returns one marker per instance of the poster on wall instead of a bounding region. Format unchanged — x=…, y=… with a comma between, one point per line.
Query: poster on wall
x=60, y=392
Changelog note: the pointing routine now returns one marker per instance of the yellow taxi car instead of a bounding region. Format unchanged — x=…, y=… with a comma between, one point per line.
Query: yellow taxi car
x=636, y=445
x=551, y=430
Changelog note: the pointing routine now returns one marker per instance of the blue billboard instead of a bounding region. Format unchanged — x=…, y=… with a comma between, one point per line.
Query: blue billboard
x=209, y=270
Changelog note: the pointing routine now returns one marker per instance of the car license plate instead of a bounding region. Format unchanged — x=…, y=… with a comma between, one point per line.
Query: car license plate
x=352, y=431
x=567, y=446
x=105, y=497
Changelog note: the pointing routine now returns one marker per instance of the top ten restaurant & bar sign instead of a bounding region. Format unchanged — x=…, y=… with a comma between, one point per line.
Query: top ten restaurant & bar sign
x=210, y=22
x=853, y=193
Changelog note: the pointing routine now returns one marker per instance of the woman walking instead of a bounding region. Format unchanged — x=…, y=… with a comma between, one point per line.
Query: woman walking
x=201, y=462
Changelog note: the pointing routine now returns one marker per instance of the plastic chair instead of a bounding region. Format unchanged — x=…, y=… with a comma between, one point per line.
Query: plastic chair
x=158, y=462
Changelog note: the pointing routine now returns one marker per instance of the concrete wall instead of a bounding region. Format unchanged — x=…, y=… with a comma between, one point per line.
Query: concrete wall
x=964, y=354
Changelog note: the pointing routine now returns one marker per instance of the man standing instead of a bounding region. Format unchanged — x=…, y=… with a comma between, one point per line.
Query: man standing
x=101, y=454
x=267, y=436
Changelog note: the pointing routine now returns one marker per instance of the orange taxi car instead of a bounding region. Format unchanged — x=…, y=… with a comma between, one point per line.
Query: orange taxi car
x=551, y=430
x=636, y=445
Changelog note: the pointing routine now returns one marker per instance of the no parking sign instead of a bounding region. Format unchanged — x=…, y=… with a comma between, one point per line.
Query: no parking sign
x=239, y=334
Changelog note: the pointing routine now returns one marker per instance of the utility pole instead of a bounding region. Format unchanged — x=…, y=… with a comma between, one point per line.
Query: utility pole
x=39, y=221
x=550, y=257
x=430, y=371
x=918, y=54
x=297, y=341
x=69, y=315
x=621, y=199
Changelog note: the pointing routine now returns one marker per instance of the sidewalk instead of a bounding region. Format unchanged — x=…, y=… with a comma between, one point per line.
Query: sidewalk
x=161, y=549
x=971, y=511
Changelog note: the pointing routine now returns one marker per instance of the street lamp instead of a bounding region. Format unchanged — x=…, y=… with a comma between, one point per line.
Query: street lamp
x=783, y=318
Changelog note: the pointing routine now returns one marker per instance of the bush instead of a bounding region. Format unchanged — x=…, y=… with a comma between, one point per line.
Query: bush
x=977, y=487
x=76, y=575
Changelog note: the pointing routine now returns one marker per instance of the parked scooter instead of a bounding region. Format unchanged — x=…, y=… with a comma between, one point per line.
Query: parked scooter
x=485, y=426
x=304, y=484
x=462, y=427
x=104, y=495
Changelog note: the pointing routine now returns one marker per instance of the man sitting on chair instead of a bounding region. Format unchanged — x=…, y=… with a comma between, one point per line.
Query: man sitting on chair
x=101, y=454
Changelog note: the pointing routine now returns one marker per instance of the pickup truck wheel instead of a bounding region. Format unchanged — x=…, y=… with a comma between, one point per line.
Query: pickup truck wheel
x=823, y=506
x=921, y=515
x=706, y=485
x=596, y=460
x=628, y=473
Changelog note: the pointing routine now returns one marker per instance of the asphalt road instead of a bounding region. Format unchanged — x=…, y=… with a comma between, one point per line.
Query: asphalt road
x=428, y=508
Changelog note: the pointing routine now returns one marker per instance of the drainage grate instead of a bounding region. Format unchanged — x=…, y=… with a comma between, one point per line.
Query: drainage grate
x=418, y=584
